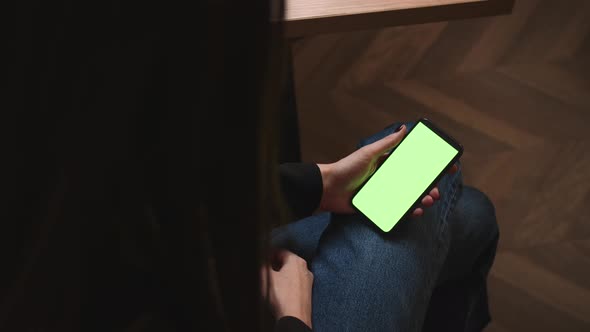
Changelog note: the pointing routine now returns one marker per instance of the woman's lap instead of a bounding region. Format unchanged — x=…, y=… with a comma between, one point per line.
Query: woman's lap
x=366, y=280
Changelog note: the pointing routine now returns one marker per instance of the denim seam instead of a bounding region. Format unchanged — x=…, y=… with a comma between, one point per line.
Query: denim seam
x=450, y=204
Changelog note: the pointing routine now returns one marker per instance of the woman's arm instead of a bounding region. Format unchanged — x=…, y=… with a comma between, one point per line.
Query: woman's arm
x=330, y=187
x=309, y=187
x=286, y=284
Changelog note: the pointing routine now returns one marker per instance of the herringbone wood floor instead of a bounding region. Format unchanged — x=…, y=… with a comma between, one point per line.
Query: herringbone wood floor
x=515, y=90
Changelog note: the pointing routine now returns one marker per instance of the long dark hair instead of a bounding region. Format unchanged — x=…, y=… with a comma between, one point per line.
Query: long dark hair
x=145, y=166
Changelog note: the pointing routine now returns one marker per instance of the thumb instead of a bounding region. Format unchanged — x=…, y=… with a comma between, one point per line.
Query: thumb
x=382, y=158
x=388, y=142
x=282, y=257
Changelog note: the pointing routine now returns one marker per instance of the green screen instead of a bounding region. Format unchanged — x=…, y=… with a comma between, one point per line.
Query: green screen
x=404, y=176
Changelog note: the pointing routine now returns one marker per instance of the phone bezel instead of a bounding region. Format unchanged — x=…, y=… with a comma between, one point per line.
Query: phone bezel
x=448, y=138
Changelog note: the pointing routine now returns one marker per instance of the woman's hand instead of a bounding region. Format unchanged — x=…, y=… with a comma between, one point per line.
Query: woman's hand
x=290, y=284
x=343, y=177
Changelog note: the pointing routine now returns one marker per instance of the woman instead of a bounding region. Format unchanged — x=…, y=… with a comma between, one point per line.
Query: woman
x=146, y=177
x=429, y=273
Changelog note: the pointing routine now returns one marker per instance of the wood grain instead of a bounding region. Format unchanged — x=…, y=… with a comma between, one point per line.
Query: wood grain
x=310, y=17
x=305, y=9
x=543, y=285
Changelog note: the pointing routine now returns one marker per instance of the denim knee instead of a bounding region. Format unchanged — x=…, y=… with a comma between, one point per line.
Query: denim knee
x=479, y=215
x=369, y=244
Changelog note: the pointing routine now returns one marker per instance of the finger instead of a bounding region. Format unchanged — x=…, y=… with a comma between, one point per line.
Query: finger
x=279, y=257
x=434, y=193
x=382, y=158
x=417, y=212
x=388, y=142
x=427, y=201
x=453, y=169
x=284, y=257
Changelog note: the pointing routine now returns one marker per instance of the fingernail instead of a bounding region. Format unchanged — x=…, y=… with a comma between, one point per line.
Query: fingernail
x=399, y=128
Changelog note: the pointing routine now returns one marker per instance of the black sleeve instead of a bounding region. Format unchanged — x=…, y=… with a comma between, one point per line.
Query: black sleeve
x=301, y=184
x=291, y=324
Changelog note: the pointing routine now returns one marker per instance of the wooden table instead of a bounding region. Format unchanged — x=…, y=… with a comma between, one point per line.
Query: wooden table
x=310, y=17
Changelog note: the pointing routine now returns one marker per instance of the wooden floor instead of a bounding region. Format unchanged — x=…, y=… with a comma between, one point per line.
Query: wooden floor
x=515, y=90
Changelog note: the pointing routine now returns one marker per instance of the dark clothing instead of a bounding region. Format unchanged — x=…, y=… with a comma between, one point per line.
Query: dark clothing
x=291, y=324
x=301, y=185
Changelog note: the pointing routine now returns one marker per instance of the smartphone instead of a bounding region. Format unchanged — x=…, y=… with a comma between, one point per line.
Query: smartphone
x=410, y=171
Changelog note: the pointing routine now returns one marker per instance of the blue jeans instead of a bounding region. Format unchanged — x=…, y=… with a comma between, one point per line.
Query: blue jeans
x=428, y=273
